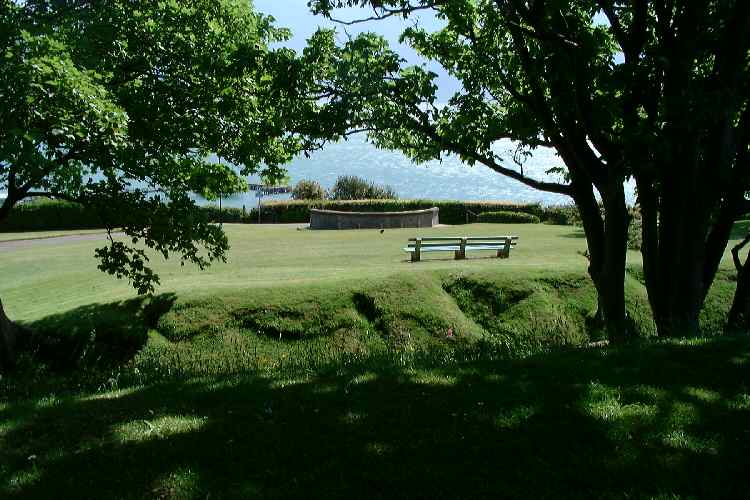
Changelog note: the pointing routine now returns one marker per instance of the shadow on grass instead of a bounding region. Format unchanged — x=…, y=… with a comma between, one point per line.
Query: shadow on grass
x=577, y=232
x=740, y=229
x=641, y=421
x=95, y=334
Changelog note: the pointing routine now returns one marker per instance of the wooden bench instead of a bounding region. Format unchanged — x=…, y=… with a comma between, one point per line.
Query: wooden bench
x=460, y=245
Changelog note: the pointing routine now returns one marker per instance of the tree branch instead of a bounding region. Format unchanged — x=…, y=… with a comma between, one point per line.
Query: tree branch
x=386, y=13
x=52, y=194
x=429, y=130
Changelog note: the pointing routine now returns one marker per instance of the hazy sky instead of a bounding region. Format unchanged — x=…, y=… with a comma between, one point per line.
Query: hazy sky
x=295, y=15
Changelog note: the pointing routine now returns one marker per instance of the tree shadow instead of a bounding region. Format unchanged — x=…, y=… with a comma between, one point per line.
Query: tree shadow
x=641, y=421
x=95, y=335
x=740, y=230
x=575, y=233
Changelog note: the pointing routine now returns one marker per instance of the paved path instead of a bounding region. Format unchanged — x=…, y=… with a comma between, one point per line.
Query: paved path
x=52, y=241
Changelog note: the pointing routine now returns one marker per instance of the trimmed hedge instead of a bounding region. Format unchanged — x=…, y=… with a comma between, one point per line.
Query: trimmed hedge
x=506, y=217
x=228, y=214
x=563, y=215
x=59, y=215
x=44, y=215
x=451, y=212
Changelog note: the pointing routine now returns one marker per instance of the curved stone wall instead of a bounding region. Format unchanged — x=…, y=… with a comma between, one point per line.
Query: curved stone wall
x=331, y=219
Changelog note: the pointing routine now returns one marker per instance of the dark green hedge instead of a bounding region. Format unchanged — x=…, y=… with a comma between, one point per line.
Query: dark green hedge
x=506, y=217
x=564, y=215
x=45, y=215
x=227, y=214
x=451, y=212
x=57, y=215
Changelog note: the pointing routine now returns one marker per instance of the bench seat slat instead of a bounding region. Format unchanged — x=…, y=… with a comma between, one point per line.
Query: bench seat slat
x=468, y=238
x=448, y=248
x=460, y=245
x=468, y=245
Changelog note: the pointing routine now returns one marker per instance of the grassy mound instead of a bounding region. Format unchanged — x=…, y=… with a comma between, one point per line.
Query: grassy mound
x=328, y=362
x=431, y=316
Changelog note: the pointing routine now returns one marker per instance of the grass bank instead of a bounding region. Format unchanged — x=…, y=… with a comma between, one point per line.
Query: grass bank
x=326, y=364
x=50, y=279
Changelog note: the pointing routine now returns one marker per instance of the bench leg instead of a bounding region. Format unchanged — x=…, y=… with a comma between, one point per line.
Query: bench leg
x=503, y=254
x=459, y=255
x=415, y=256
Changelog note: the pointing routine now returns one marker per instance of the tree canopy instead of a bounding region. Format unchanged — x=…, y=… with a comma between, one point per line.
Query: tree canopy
x=119, y=105
x=645, y=90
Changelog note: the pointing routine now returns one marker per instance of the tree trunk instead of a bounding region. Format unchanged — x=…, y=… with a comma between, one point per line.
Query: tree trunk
x=683, y=231
x=739, y=315
x=607, y=244
x=615, y=254
x=650, y=245
x=8, y=341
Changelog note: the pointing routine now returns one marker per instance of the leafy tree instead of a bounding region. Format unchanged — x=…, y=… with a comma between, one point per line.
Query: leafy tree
x=308, y=190
x=650, y=90
x=117, y=105
x=351, y=187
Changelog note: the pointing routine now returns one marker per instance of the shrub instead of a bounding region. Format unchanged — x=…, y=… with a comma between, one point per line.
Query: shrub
x=635, y=237
x=45, y=215
x=451, y=212
x=350, y=187
x=308, y=190
x=225, y=214
x=504, y=216
x=563, y=215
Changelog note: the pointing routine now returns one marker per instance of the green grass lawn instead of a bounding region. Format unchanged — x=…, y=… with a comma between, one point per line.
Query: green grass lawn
x=659, y=421
x=318, y=363
x=51, y=279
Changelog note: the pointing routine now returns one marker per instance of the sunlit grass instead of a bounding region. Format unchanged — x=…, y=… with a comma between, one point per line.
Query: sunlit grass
x=320, y=364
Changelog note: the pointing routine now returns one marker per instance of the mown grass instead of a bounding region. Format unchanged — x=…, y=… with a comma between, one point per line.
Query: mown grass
x=51, y=279
x=441, y=379
x=659, y=421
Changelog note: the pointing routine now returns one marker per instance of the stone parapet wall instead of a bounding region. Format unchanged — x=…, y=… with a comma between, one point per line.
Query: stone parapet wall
x=331, y=219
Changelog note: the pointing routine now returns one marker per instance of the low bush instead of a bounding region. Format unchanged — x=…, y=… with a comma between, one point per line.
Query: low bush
x=451, y=212
x=226, y=214
x=635, y=228
x=350, y=187
x=562, y=215
x=507, y=217
x=59, y=215
x=308, y=190
x=45, y=215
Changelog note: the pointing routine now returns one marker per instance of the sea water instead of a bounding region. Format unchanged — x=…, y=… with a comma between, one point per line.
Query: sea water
x=447, y=179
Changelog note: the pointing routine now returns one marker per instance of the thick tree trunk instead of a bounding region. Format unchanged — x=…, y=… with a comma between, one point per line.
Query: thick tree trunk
x=738, y=320
x=8, y=340
x=615, y=253
x=607, y=244
x=683, y=293
x=650, y=246
x=684, y=225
